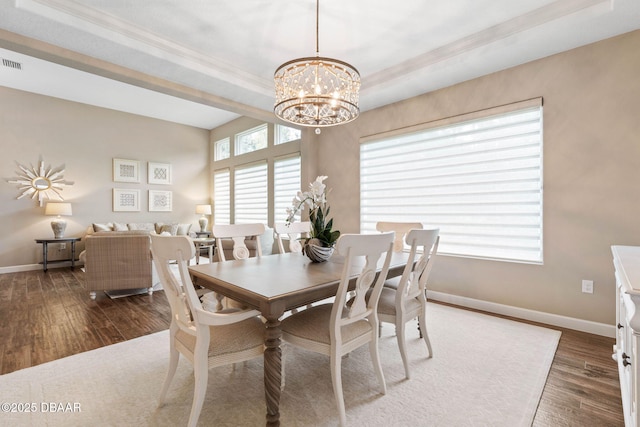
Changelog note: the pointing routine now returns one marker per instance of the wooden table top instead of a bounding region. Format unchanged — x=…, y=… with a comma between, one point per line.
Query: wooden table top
x=276, y=283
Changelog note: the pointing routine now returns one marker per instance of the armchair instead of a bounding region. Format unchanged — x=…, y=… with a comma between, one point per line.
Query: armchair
x=116, y=260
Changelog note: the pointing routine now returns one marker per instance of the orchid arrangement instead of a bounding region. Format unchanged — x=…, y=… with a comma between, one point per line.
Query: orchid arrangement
x=316, y=200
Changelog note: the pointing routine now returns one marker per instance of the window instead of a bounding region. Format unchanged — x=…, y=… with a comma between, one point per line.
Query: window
x=286, y=134
x=478, y=180
x=286, y=185
x=251, y=194
x=260, y=184
x=252, y=140
x=222, y=197
x=222, y=149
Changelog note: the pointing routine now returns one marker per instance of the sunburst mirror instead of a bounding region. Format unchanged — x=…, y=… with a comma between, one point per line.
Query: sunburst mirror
x=43, y=183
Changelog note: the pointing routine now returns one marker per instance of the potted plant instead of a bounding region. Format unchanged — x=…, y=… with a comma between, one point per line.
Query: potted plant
x=319, y=246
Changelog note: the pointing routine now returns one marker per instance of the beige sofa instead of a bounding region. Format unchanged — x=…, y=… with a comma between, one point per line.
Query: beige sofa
x=118, y=256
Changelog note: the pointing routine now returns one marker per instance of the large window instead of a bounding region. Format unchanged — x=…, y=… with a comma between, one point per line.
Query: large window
x=251, y=194
x=252, y=140
x=286, y=185
x=222, y=149
x=285, y=134
x=257, y=179
x=479, y=180
x=222, y=197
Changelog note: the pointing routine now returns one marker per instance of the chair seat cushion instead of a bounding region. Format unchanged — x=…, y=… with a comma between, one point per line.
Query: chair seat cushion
x=392, y=283
x=313, y=324
x=227, y=339
x=387, y=302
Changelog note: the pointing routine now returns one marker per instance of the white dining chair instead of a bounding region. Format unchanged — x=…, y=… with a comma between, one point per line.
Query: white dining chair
x=238, y=235
x=204, y=338
x=406, y=298
x=350, y=321
x=294, y=232
x=400, y=228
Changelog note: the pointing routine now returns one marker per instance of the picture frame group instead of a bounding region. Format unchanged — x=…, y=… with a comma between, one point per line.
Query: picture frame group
x=128, y=199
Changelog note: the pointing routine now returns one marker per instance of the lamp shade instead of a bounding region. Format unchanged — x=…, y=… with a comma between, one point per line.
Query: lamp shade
x=58, y=209
x=203, y=209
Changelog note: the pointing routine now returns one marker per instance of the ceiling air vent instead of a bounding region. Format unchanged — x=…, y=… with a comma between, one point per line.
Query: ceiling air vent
x=11, y=64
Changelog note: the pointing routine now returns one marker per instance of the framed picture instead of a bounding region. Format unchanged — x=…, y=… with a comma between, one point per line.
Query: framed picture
x=159, y=173
x=160, y=201
x=125, y=200
x=126, y=170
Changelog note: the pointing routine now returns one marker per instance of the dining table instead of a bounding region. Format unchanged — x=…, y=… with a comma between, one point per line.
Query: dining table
x=273, y=285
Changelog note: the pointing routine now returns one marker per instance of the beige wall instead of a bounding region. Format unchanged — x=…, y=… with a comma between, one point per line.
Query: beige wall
x=591, y=174
x=86, y=139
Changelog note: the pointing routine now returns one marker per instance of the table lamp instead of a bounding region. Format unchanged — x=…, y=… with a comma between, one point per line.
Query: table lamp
x=58, y=225
x=204, y=210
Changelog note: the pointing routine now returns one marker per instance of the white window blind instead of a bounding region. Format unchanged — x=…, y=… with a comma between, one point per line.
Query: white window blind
x=250, y=193
x=221, y=197
x=479, y=181
x=286, y=185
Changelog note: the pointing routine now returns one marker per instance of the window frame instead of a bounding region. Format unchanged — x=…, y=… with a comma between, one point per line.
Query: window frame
x=238, y=151
x=271, y=154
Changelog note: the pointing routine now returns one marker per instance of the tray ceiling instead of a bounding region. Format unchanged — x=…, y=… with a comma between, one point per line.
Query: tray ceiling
x=204, y=62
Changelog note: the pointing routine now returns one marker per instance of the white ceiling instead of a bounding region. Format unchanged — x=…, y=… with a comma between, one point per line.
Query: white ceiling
x=205, y=62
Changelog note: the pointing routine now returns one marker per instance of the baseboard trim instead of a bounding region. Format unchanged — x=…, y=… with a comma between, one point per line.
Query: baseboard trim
x=31, y=267
x=526, y=314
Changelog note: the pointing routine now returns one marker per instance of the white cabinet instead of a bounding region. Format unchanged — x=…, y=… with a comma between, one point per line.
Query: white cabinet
x=626, y=260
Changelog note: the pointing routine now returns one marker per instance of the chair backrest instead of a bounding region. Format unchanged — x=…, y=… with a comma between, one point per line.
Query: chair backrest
x=373, y=248
x=413, y=282
x=237, y=232
x=401, y=229
x=294, y=231
x=180, y=249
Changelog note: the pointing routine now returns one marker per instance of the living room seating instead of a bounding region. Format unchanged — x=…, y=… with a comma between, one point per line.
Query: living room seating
x=204, y=338
x=121, y=258
x=117, y=260
x=404, y=298
x=350, y=321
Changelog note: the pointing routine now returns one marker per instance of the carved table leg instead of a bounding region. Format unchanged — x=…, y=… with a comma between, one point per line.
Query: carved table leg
x=272, y=370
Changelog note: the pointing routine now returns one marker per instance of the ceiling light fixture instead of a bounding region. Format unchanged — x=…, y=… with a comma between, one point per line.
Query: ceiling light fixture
x=317, y=91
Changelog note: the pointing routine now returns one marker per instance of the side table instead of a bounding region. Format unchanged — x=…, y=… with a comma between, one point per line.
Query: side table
x=203, y=233
x=204, y=243
x=45, y=242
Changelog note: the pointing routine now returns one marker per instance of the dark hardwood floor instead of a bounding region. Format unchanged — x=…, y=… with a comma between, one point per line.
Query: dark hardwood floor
x=47, y=316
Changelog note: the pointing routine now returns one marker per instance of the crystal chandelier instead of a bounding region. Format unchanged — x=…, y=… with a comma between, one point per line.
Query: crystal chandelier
x=317, y=91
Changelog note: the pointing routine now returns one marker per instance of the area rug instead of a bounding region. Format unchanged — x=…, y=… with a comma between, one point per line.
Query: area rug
x=486, y=371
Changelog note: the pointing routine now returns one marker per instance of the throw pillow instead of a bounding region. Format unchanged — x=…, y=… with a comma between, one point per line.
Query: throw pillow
x=144, y=226
x=102, y=227
x=120, y=227
x=169, y=228
x=183, y=229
